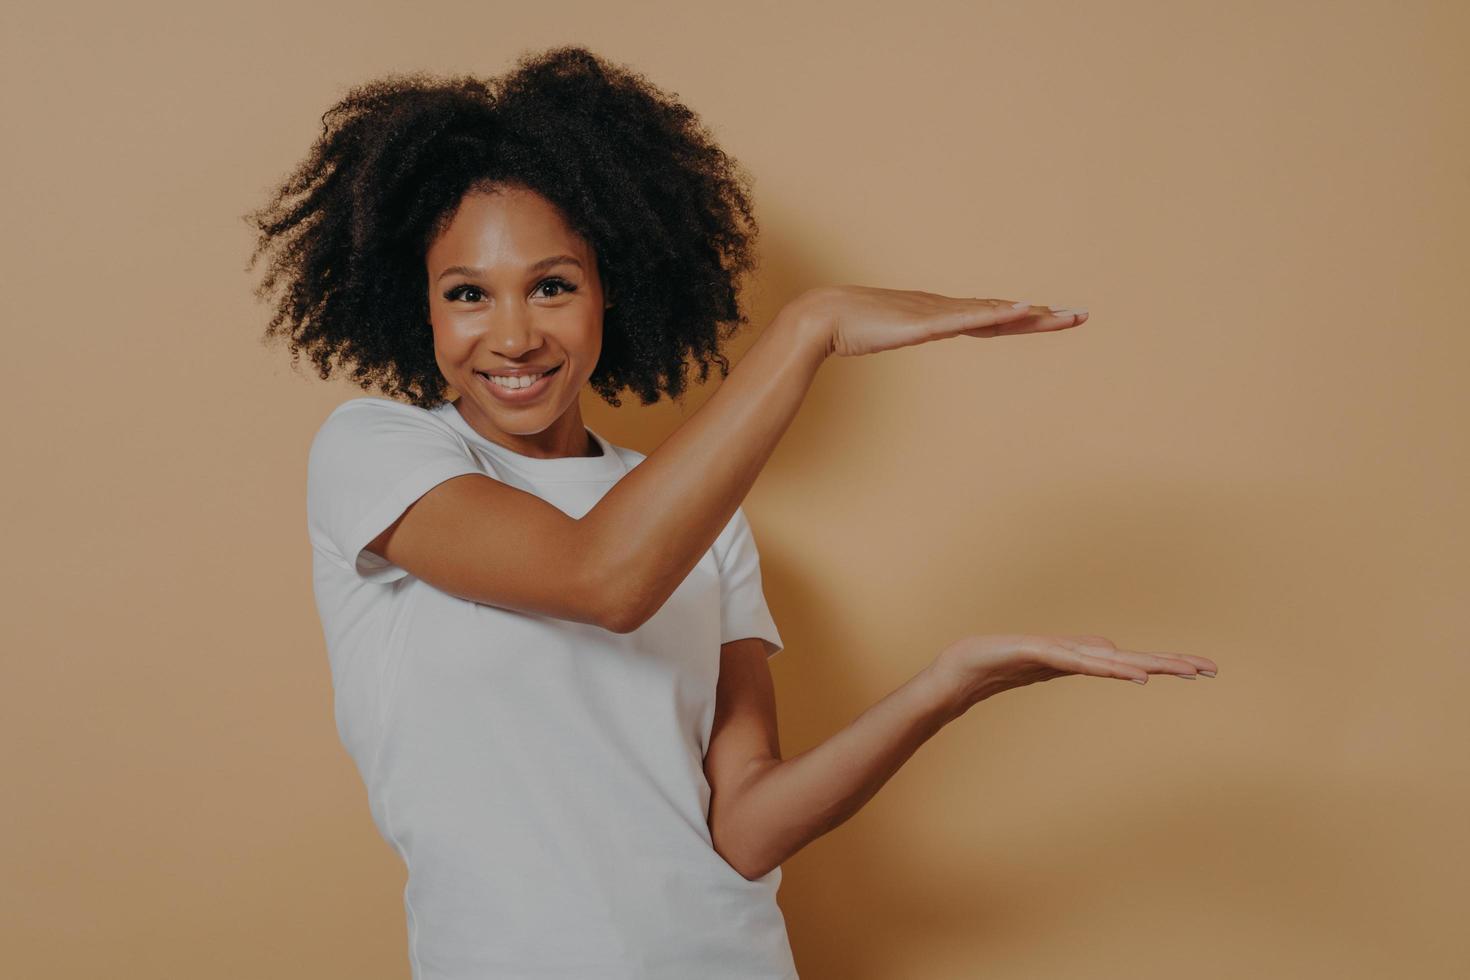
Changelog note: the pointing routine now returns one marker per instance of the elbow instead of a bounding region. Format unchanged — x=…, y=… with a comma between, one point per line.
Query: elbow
x=603, y=592
x=619, y=601
x=747, y=869
x=755, y=875
x=621, y=614
x=619, y=620
x=741, y=855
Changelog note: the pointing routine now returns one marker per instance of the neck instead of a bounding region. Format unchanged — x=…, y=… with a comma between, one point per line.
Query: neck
x=547, y=444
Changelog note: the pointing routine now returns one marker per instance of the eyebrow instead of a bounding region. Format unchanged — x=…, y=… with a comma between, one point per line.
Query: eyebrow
x=546, y=263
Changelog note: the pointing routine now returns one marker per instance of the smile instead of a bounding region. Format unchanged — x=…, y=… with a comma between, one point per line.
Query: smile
x=515, y=390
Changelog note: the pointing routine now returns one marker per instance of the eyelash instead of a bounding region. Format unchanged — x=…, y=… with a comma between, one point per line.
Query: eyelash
x=565, y=287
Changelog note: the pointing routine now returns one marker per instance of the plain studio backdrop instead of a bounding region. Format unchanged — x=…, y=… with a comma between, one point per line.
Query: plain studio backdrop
x=1254, y=450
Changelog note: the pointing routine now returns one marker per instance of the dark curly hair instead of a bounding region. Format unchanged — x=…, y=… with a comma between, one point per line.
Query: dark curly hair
x=667, y=213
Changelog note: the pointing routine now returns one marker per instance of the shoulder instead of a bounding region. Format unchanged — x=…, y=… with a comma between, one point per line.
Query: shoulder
x=379, y=433
x=380, y=415
x=373, y=407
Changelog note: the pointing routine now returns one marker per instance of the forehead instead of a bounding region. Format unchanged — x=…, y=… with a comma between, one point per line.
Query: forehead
x=508, y=225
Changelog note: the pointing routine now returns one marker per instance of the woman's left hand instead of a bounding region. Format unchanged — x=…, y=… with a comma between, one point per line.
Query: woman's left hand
x=976, y=667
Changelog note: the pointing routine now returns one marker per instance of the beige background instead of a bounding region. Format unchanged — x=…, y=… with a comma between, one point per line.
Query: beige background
x=1255, y=450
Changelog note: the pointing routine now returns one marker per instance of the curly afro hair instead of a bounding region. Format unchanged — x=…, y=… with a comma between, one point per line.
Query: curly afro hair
x=667, y=213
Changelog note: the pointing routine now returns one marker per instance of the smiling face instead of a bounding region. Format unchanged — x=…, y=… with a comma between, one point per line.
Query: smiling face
x=513, y=290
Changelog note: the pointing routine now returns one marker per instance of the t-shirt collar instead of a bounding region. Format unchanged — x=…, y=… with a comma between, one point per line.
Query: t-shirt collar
x=563, y=468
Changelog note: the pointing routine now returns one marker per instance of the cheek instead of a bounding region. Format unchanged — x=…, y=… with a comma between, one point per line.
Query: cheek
x=452, y=343
x=589, y=344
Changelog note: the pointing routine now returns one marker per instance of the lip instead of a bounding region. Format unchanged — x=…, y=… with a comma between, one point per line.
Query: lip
x=520, y=395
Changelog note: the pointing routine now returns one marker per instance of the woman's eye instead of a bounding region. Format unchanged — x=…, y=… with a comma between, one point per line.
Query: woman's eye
x=459, y=291
x=560, y=284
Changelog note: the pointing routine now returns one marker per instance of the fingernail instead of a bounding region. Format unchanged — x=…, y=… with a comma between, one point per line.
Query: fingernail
x=1208, y=673
x=1188, y=677
x=1139, y=680
x=1021, y=305
x=1070, y=311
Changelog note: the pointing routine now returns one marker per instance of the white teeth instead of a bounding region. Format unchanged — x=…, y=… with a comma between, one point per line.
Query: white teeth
x=515, y=381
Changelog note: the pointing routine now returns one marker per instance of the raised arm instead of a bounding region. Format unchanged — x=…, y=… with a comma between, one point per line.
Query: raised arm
x=616, y=566
x=764, y=808
x=654, y=524
x=490, y=542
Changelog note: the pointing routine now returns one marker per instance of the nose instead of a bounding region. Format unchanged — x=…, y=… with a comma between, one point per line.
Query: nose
x=513, y=335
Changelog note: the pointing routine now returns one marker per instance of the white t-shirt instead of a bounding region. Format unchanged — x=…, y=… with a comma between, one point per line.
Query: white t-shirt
x=542, y=779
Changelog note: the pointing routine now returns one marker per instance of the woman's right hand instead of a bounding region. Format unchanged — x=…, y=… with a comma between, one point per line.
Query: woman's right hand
x=854, y=320
x=974, y=668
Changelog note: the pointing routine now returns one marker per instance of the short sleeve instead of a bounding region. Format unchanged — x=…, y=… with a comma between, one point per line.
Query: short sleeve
x=370, y=459
x=743, y=610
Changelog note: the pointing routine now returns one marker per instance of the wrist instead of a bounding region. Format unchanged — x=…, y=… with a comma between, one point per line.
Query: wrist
x=806, y=322
x=958, y=686
x=942, y=690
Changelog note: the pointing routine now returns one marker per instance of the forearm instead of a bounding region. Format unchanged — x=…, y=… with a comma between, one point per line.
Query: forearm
x=790, y=803
x=651, y=528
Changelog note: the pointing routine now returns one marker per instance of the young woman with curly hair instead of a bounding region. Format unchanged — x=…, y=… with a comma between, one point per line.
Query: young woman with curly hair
x=548, y=652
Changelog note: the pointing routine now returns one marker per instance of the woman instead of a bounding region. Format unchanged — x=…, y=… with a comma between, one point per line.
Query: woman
x=549, y=652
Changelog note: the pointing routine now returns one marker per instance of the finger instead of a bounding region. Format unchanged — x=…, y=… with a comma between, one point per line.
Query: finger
x=1060, y=312
x=1179, y=664
x=1163, y=663
x=1186, y=662
x=963, y=316
x=1153, y=662
x=1204, y=665
x=1104, y=667
x=1041, y=321
x=1047, y=319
